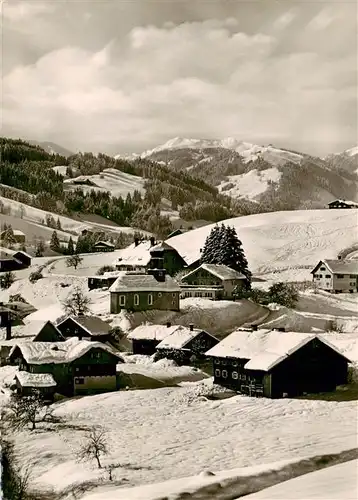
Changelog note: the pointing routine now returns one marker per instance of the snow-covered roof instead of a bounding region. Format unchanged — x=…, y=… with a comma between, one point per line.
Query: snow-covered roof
x=220, y=271
x=17, y=232
x=339, y=266
x=22, y=253
x=264, y=348
x=93, y=325
x=161, y=246
x=58, y=352
x=135, y=282
x=346, y=202
x=105, y=243
x=135, y=255
x=27, y=379
x=31, y=329
x=152, y=332
x=179, y=338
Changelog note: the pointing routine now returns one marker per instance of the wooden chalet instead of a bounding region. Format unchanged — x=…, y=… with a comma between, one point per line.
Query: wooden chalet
x=342, y=204
x=27, y=383
x=145, y=338
x=79, y=367
x=103, y=246
x=278, y=364
x=84, y=328
x=336, y=276
x=105, y=280
x=212, y=281
x=15, y=262
x=185, y=344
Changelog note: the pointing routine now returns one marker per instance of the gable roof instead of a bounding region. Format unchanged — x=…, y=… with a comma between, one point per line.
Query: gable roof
x=30, y=330
x=152, y=332
x=22, y=253
x=339, y=266
x=135, y=255
x=180, y=338
x=136, y=282
x=105, y=243
x=264, y=348
x=161, y=246
x=220, y=271
x=27, y=379
x=91, y=324
x=346, y=202
x=39, y=353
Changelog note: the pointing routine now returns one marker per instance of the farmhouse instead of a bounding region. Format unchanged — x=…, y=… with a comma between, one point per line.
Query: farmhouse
x=212, y=281
x=16, y=235
x=27, y=383
x=15, y=262
x=77, y=366
x=139, y=256
x=145, y=338
x=185, y=344
x=103, y=246
x=84, y=328
x=336, y=276
x=343, y=204
x=141, y=292
x=104, y=281
x=277, y=364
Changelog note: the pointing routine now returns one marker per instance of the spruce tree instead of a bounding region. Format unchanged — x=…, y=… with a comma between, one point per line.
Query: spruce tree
x=209, y=252
x=70, y=247
x=55, y=242
x=232, y=254
x=58, y=224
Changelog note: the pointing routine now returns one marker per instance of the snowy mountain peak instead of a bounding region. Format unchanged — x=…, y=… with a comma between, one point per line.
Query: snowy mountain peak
x=352, y=151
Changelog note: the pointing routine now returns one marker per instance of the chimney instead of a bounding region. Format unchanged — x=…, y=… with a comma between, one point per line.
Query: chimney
x=191, y=327
x=136, y=242
x=254, y=328
x=169, y=324
x=152, y=241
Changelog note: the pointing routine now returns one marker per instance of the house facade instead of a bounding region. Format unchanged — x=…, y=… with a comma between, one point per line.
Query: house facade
x=277, y=364
x=85, y=328
x=185, y=344
x=336, y=276
x=212, y=281
x=144, y=291
x=78, y=367
x=342, y=204
x=103, y=246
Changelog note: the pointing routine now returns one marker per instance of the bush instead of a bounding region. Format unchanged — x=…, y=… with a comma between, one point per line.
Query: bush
x=35, y=276
x=7, y=279
x=105, y=269
x=284, y=294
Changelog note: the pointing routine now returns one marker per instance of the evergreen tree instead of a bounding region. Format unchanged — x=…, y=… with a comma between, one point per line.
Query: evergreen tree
x=231, y=253
x=209, y=254
x=7, y=279
x=70, y=247
x=58, y=224
x=55, y=242
x=40, y=248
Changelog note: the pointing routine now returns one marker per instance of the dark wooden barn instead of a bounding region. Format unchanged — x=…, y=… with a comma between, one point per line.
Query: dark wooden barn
x=85, y=328
x=103, y=246
x=278, y=364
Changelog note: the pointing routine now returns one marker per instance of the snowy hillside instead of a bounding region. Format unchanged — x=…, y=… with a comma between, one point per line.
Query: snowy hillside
x=346, y=161
x=280, y=240
x=250, y=185
x=116, y=182
x=52, y=148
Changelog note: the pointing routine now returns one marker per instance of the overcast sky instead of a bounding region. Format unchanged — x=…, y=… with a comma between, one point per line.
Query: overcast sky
x=124, y=76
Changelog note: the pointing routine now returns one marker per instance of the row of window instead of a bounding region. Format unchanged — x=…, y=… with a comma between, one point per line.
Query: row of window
x=339, y=276
x=225, y=362
x=234, y=375
x=122, y=299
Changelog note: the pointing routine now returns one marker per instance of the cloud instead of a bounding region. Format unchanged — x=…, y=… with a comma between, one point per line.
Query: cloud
x=18, y=12
x=205, y=79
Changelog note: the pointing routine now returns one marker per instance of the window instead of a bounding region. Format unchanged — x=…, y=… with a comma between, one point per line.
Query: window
x=235, y=375
x=223, y=362
x=224, y=374
x=122, y=300
x=79, y=381
x=352, y=283
x=136, y=299
x=234, y=363
x=217, y=361
x=321, y=275
x=150, y=299
x=327, y=276
x=352, y=276
x=340, y=276
x=322, y=268
x=217, y=373
x=243, y=377
x=159, y=294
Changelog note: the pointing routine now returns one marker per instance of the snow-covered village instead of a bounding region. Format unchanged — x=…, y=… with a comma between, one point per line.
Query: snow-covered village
x=179, y=251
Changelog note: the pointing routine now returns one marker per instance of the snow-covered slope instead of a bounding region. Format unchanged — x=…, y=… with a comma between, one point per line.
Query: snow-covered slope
x=345, y=161
x=52, y=148
x=281, y=240
x=249, y=152
x=116, y=182
x=250, y=185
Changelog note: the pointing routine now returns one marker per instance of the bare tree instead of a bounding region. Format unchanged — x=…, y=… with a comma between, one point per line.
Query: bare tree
x=74, y=260
x=24, y=410
x=94, y=446
x=76, y=304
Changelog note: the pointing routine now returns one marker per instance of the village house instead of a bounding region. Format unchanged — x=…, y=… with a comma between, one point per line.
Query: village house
x=78, y=367
x=103, y=281
x=17, y=236
x=336, y=276
x=103, y=246
x=211, y=281
x=277, y=364
x=43, y=383
x=15, y=262
x=84, y=328
x=139, y=257
x=185, y=344
x=342, y=204
x=146, y=337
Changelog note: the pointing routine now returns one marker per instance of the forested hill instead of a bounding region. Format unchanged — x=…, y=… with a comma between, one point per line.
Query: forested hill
x=27, y=175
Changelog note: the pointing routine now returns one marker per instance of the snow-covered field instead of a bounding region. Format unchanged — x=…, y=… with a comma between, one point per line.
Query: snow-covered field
x=116, y=182
x=280, y=241
x=176, y=432
x=251, y=184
